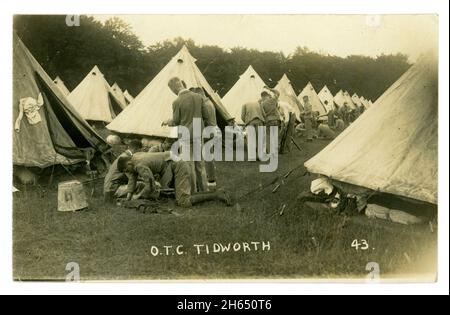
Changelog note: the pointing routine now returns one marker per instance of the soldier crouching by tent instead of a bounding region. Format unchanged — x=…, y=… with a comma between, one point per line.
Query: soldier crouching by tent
x=152, y=166
x=321, y=129
x=114, y=179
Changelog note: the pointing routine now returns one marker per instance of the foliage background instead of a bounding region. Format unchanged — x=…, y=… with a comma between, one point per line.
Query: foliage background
x=71, y=52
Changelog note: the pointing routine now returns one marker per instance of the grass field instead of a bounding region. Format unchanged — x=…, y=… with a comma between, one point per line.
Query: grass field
x=306, y=241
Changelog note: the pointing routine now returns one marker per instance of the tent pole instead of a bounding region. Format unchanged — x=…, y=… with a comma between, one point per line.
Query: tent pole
x=50, y=182
x=295, y=143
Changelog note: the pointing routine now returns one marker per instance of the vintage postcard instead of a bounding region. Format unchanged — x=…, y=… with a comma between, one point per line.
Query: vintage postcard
x=225, y=147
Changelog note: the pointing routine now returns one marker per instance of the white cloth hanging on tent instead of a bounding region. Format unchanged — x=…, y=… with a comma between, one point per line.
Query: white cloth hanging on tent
x=30, y=107
x=322, y=184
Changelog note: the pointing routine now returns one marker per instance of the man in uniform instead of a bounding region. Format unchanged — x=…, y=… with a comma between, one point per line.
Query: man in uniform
x=114, y=178
x=308, y=116
x=158, y=170
x=271, y=112
x=187, y=107
x=210, y=120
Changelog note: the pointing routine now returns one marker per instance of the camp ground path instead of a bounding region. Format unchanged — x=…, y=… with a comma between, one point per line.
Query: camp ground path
x=275, y=236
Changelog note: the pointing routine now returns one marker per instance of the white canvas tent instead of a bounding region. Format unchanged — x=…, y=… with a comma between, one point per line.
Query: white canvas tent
x=128, y=96
x=349, y=100
x=54, y=133
x=326, y=98
x=94, y=99
x=62, y=87
x=118, y=93
x=393, y=146
x=314, y=99
x=247, y=89
x=339, y=98
x=364, y=102
x=285, y=109
x=356, y=100
x=153, y=105
x=288, y=95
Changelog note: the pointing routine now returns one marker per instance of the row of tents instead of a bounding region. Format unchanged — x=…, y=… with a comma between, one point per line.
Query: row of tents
x=95, y=100
x=391, y=148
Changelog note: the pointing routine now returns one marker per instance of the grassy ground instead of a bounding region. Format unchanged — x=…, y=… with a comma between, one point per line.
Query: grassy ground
x=306, y=241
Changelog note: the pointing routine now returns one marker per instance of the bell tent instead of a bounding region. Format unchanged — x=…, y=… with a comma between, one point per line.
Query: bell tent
x=153, y=105
x=326, y=98
x=118, y=93
x=356, y=100
x=47, y=129
x=288, y=95
x=349, y=100
x=393, y=147
x=94, y=99
x=60, y=84
x=128, y=97
x=247, y=89
x=314, y=99
x=364, y=102
x=339, y=98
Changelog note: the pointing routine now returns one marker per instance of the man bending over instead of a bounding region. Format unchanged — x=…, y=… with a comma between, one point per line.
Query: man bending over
x=114, y=178
x=152, y=166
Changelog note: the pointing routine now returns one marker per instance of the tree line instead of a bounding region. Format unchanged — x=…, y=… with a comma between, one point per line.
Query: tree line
x=71, y=52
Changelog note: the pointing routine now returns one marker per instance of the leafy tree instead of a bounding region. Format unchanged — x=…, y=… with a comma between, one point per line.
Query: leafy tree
x=71, y=52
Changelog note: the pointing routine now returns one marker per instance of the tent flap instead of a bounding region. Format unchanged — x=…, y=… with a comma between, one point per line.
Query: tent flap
x=62, y=136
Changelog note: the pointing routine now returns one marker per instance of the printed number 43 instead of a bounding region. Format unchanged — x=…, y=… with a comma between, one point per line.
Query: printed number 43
x=360, y=244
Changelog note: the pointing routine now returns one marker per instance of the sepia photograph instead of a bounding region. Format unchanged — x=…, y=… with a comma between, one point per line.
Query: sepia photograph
x=210, y=147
